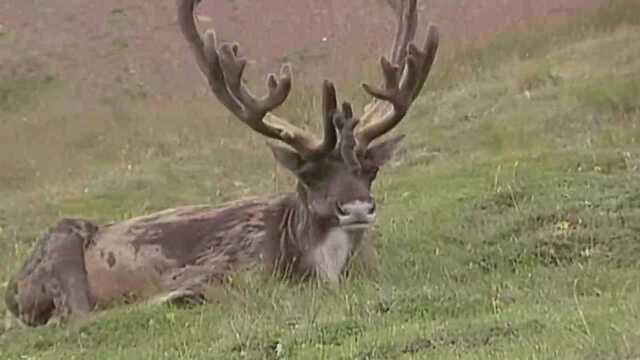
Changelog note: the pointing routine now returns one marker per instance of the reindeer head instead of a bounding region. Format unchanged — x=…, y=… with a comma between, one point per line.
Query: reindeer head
x=334, y=174
x=336, y=187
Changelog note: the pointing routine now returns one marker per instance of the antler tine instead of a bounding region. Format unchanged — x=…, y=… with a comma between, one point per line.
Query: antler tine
x=329, y=108
x=346, y=124
x=406, y=30
x=427, y=57
x=209, y=68
x=403, y=79
x=224, y=68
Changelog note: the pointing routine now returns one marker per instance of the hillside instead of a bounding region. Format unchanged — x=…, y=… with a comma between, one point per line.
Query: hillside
x=508, y=226
x=107, y=76
x=109, y=47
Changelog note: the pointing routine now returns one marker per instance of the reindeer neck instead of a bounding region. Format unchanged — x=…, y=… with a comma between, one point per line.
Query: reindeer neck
x=296, y=223
x=293, y=238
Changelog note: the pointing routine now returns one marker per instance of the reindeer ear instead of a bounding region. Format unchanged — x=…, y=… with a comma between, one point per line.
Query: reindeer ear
x=382, y=152
x=286, y=157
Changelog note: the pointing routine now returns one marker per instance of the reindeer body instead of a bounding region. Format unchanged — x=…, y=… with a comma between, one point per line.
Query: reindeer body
x=186, y=249
x=78, y=266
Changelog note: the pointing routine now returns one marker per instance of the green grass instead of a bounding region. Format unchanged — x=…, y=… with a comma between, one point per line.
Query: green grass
x=509, y=226
x=19, y=92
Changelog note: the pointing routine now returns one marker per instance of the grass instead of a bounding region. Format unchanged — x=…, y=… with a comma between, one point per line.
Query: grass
x=508, y=226
x=19, y=92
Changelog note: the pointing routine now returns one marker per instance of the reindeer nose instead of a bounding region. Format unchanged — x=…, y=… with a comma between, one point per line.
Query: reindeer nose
x=356, y=211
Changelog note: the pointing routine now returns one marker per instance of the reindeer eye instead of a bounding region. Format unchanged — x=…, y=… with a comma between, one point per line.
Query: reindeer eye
x=373, y=174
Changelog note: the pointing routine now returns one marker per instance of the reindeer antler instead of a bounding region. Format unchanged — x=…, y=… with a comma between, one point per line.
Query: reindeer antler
x=404, y=76
x=346, y=124
x=224, y=67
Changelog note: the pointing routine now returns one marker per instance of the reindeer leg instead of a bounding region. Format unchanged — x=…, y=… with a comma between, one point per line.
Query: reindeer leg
x=53, y=281
x=189, y=285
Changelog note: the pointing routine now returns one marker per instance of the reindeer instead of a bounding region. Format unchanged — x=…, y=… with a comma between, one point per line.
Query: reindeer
x=78, y=266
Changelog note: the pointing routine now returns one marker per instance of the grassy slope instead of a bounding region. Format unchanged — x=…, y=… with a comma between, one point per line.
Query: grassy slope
x=509, y=229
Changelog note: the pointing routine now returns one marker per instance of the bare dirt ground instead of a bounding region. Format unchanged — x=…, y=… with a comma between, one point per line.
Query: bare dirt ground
x=100, y=47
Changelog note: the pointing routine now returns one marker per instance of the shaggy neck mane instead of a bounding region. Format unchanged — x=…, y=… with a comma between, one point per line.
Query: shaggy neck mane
x=290, y=234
